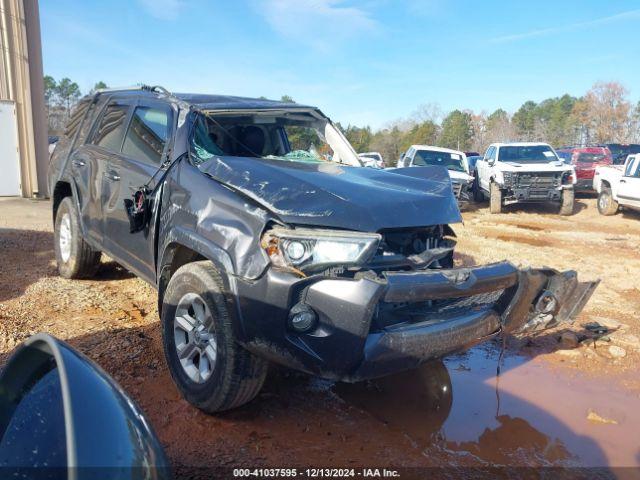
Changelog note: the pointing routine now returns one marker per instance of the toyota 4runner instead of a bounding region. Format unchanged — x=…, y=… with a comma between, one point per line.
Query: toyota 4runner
x=268, y=242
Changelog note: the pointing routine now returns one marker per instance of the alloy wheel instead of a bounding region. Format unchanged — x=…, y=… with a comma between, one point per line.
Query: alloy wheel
x=195, y=338
x=64, y=237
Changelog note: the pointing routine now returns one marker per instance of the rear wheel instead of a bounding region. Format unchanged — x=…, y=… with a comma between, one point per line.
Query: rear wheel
x=74, y=256
x=568, y=197
x=606, y=204
x=212, y=371
x=495, y=201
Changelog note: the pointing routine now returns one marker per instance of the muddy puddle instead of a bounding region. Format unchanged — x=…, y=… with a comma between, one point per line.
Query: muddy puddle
x=533, y=414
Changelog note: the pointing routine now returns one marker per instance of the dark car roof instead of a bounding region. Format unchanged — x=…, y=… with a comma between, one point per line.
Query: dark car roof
x=211, y=102
x=224, y=102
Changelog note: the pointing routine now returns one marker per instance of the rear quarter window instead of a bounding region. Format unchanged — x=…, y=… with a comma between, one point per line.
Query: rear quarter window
x=78, y=113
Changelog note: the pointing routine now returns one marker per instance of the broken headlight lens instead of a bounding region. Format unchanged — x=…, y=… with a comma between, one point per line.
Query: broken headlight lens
x=509, y=178
x=305, y=249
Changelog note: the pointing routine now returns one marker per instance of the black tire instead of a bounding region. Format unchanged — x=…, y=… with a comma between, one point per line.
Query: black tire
x=236, y=376
x=495, y=199
x=567, y=202
x=606, y=204
x=74, y=256
x=478, y=195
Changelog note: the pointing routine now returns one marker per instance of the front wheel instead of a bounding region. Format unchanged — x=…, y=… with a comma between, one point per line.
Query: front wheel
x=495, y=202
x=211, y=370
x=74, y=256
x=606, y=204
x=568, y=197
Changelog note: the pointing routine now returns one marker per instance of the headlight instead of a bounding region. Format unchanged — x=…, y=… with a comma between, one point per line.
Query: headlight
x=305, y=249
x=508, y=177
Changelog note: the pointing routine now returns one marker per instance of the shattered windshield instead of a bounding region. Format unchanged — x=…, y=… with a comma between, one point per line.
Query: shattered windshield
x=528, y=154
x=294, y=135
x=451, y=161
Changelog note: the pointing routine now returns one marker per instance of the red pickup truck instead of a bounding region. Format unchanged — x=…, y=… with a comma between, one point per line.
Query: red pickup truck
x=585, y=160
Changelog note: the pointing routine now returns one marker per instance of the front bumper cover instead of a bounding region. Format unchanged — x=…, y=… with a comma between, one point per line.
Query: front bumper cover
x=370, y=327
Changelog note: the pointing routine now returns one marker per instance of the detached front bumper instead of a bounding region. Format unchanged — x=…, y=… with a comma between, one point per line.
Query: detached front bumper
x=370, y=327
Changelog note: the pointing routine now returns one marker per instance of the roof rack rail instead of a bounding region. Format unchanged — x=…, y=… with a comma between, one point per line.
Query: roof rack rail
x=148, y=88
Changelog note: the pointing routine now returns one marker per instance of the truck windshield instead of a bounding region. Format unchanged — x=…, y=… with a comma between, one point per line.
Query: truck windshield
x=586, y=157
x=286, y=135
x=527, y=154
x=451, y=161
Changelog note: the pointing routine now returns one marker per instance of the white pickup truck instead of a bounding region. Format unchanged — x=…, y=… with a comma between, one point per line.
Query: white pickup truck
x=524, y=172
x=453, y=160
x=618, y=185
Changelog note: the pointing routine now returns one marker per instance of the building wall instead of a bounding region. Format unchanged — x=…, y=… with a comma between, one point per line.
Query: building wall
x=21, y=80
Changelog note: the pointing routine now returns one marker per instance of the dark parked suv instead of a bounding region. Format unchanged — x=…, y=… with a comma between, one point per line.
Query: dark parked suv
x=267, y=242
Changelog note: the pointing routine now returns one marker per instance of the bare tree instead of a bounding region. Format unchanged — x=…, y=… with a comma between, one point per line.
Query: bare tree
x=604, y=112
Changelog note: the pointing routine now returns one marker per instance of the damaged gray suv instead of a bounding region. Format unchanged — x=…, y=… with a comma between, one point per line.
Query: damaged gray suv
x=268, y=242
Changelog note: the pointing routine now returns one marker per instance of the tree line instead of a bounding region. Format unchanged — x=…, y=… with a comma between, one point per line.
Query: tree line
x=604, y=114
x=59, y=97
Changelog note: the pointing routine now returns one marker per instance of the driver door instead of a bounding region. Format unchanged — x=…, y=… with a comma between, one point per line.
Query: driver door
x=143, y=151
x=484, y=170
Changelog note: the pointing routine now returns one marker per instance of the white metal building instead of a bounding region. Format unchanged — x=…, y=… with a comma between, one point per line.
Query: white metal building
x=23, y=129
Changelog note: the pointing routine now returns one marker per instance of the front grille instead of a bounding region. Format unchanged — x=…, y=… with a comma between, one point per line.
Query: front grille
x=540, y=180
x=538, y=193
x=435, y=310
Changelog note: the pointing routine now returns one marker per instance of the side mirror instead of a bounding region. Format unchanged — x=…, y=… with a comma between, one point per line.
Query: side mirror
x=61, y=413
x=491, y=162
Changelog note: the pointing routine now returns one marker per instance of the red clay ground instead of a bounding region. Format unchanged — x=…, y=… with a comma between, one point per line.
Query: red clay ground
x=551, y=406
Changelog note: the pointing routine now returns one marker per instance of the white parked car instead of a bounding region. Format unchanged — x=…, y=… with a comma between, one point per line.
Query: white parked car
x=372, y=159
x=524, y=173
x=618, y=185
x=453, y=160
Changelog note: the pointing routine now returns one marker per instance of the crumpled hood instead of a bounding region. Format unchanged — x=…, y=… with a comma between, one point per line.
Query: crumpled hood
x=554, y=166
x=338, y=196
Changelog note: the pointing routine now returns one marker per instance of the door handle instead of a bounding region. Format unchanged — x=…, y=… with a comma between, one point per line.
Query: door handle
x=622, y=180
x=79, y=163
x=113, y=176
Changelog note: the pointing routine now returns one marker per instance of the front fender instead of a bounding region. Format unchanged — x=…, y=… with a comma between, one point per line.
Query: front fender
x=181, y=237
x=193, y=241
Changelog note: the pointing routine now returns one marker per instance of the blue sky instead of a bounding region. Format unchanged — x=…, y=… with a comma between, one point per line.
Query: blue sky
x=362, y=62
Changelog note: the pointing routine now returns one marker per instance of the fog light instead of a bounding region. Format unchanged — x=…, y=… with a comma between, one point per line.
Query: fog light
x=302, y=318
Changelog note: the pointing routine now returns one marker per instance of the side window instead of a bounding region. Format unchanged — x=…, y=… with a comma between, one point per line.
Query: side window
x=408, y=158
x=490, y=153
x=110, y=129
x=629, y=171
x=148, y=133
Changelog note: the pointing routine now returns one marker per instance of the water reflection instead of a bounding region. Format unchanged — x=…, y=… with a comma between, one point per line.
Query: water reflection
x=417, y=402
x=458, y=407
